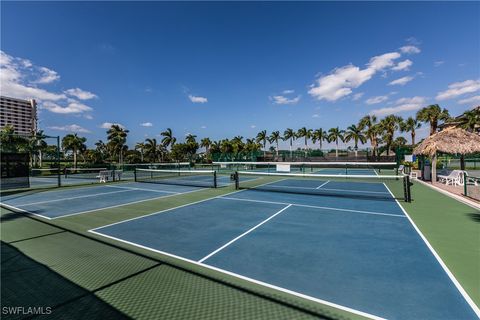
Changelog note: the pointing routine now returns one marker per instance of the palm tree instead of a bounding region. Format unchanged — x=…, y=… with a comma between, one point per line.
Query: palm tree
x=305, y=134
x=290, y=135
x=140, y=146
x=251, y=145
x=371, y=129
x=335, y=134
x=389, y=125
x=355, y=133
x=38, y=144
x=274, y=137
x=226, y=147
x=237, y=144
x=410, y=125
x=319, y=135
x=168, y=138
x=117, y=137
x=101, y=149
x=433, y=114
x=262, y=138
x=190, y=138
x=206, y=143
x=470, y=119
x=75, y=144
x=152, y=149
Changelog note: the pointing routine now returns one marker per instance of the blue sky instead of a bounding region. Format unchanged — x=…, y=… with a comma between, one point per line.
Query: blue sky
x=225, y=69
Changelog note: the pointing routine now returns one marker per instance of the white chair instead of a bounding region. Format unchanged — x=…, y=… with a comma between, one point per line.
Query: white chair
x=456, y=178
x=103, y=176
x=413, y=174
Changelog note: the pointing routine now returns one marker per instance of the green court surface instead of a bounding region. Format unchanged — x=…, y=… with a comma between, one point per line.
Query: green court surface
x=58, y=263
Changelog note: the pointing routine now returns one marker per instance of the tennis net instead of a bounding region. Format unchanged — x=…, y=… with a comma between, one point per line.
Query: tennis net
x=328, y=167
x=195, y=178
x=378, y=187
x=83, y=173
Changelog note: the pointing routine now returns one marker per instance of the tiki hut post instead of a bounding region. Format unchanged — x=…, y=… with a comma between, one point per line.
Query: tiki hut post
x=434, y=167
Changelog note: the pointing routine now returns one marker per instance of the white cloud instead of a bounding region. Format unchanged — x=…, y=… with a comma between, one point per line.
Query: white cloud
x=253, y=126
x=357, y=96
x=203, y=127
x=459, y=88
x=377, y=99
x=72, y=107
x=401, y=105
x=401, y=81
x=284, y=100
x=438, y=63
x=316, y=115
x=46, y=75
x=471, y=100
x=146, y=124
x=410, y=49
x=80, y=94
x=108, y=125
x=70, y=128
x=197, y=99
x=340, y=82
x=288, y=91
x=403, y=65
x=88, y=116
x=20, y=78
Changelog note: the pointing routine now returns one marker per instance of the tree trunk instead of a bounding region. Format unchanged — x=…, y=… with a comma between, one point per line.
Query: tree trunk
x=40, y=158
x=291, y=155
x=434, y=168
x=433, y=127
x=336, y=149
x=413, y=138
x=75, y=158
x=462, y=162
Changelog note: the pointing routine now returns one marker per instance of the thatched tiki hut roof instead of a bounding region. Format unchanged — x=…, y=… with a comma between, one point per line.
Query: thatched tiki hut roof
x=450, y=140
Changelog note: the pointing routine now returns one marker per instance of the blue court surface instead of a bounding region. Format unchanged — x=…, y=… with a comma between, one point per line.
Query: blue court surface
x=57, y=203
x=360, y=255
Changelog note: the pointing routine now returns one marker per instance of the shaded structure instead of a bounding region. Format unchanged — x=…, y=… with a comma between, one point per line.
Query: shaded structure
x=451, y=140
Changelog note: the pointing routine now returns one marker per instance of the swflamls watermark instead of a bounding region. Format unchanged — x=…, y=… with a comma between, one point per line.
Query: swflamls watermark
x=26, y=310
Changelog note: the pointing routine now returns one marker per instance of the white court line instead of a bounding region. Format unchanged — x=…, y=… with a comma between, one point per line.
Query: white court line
x=23, y=210
x=142, y=189
x=239, y=276
x=440, y=261
x=127, y=204
x=71, y=198
x=177, y=207
x=331, y=189
x=97, y=209
x=322, y=184
x=244, y=234
x=315, y=207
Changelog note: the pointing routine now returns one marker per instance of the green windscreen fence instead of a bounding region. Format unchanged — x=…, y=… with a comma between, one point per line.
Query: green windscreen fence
x=14, y=170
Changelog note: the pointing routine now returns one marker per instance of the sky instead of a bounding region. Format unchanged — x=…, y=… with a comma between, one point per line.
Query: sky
x=222, y=69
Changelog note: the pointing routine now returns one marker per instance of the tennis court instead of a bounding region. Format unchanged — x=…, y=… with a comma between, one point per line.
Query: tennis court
x=348, y=244
x=61, y=203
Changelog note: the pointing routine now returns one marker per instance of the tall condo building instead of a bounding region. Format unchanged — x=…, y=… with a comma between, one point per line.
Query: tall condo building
x=21, y=114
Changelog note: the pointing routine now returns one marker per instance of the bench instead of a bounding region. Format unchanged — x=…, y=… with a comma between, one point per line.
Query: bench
x=456, y=178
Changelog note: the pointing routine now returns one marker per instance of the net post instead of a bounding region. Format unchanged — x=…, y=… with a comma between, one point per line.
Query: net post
x=465, y=191
x=214, y=179
x=237, y=182
x=59, y=174
x=407, y=190
x=135, y=174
